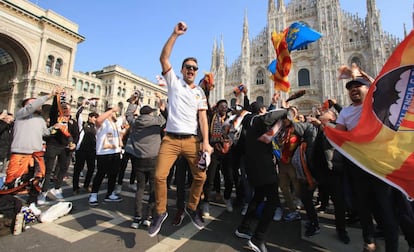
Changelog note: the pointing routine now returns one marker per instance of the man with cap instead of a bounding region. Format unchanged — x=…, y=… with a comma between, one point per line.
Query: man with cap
x=369, y=190
x=143, y=145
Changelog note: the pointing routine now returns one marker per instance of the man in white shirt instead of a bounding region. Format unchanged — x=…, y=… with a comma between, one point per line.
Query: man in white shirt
x=187, y=108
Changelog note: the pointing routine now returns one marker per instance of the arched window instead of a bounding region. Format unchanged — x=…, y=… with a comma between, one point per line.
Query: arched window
x=79, y=86
x=92, y=89
x=109, y=90
x=260, y=99
x=119, y=91
x=233, y=102
x=260, y=77
x=357, y=61
x=58, y=67
x=49, y=63
x=73, y=82
x=86, y=87
x=98, y=90
x=123, y=92
x=303, y=77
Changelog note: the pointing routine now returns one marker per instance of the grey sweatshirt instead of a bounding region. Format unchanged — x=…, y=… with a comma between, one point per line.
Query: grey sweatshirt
x=29, y=128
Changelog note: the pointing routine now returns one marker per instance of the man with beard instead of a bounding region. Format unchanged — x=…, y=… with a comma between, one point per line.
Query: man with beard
x=369, y=190
x=187, y=105
x=220, y=159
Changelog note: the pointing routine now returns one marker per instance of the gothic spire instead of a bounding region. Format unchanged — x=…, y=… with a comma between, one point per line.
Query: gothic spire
x=245, y=26
x=280, y=5
x=371, y=7
x=271, y=6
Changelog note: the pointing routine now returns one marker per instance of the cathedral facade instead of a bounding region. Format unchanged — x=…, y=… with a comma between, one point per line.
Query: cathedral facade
x=346, y=38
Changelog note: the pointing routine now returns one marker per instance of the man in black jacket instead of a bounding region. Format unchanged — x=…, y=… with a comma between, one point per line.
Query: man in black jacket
x=85, y=149
x=261, y=173
x=60, y=144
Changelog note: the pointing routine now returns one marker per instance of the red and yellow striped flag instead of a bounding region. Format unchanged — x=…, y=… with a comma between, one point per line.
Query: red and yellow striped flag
x=284, y=62
x=383, y=141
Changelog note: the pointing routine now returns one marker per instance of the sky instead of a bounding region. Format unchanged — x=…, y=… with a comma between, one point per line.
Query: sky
x=131, y=33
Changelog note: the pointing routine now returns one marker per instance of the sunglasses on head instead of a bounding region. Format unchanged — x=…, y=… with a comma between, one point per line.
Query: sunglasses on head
x=191, y=67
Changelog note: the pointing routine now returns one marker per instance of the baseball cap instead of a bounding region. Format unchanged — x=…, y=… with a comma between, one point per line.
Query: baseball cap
x=256, y=106
x=358, y=81
x=146, y=110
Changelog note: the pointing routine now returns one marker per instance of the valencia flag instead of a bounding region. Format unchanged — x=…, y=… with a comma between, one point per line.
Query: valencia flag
x=383, y=141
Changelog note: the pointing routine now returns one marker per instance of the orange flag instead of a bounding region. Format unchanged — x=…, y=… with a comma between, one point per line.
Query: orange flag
x=284, y=62
x=383, y=141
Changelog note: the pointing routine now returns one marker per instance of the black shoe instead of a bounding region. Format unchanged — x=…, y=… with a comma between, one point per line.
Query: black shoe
x=312, y=230
x=379, y=234
x=243, y=233
x=136, y=222
x=156, y=224
x=196, y=218
x=321, y=209
x=343, y=236
x=179, y=216
x=256, y=245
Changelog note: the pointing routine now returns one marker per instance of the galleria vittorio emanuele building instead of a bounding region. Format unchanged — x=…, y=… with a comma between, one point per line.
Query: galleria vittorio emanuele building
x=38, y=49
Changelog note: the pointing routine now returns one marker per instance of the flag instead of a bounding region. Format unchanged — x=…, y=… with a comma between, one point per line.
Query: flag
x=300, y=35
x=382, y=143
x=283, y=63
x=207, y=83
x=294, y=37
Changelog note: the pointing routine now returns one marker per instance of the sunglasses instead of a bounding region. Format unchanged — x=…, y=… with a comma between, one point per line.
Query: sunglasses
x=191, y=67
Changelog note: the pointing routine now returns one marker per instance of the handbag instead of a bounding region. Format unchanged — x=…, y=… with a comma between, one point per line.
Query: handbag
x=56, y=211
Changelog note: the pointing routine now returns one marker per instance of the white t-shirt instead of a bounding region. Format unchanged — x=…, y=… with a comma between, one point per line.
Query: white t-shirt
x=107, y=138
x=183, y=105
x=349, y=116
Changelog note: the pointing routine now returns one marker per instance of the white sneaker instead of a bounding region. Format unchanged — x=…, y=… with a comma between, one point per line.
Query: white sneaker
x=36, y=211
x=41, y=198
x=278, y=214
x=133, y=187
x=57, y=193
x=118, y=189
x=244, y=209
x=113, y=198
x=93, y=199
x=206, y=209
x=229, y=205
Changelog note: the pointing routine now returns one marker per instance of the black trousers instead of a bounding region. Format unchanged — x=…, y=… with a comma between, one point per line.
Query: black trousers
x=107, y=165
x=270, y=192
x=82, y=157
x=367, y=190
x=306, y=196
x=124, y=163
x=405, y=213
x=223, y=163
x=63, y=158
x=181, y=170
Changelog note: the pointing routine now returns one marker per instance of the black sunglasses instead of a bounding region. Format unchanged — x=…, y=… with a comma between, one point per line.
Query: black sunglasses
x=191, y=67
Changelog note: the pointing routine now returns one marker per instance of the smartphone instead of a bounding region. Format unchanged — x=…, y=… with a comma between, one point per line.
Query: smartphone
x=4, y=111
